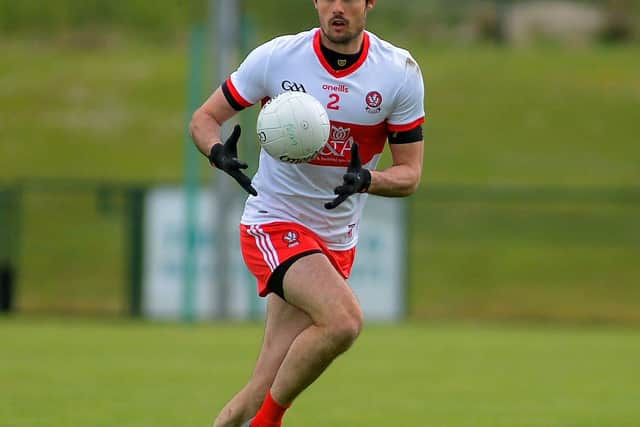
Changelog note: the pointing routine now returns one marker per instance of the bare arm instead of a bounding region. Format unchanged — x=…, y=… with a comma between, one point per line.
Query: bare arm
x=207, y=120
x=403, y=177
x=205, y=131
x=399, y=180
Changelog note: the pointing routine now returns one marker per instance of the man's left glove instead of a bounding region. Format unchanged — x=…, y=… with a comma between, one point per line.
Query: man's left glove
x=225, y=157
x=356, y=180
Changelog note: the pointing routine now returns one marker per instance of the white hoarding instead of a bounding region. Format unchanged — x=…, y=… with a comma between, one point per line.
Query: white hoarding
x=378, y=276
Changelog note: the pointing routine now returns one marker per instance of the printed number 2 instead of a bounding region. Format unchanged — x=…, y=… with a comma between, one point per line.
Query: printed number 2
x=333, y=105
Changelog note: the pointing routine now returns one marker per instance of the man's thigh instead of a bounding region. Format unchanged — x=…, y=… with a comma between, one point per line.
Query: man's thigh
x=314, y=286
x=283, y=324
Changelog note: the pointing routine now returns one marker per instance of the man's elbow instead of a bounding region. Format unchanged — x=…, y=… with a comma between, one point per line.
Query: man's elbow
x=406, y=190
x=193, y=124
x=413, y=185
x=409, y=190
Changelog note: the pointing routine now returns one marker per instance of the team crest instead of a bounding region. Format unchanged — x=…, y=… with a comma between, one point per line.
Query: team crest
x=342, y=62
x=291, y=239
x=374, y=101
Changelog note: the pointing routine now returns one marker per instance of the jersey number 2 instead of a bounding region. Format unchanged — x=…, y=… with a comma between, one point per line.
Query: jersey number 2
x=333, y=104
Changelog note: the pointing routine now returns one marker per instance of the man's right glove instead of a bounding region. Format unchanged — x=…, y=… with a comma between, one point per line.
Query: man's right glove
x=225, y=157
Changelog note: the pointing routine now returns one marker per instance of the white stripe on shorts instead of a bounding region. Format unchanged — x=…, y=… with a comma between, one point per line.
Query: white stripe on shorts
x=264, y=243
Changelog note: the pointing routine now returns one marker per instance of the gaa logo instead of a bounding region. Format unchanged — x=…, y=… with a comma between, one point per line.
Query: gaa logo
x=292, y=86
x=374, y=100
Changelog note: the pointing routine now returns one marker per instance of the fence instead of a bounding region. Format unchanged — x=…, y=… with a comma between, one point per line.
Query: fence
x=539, y=253
x=72, y=247
x=500, y=252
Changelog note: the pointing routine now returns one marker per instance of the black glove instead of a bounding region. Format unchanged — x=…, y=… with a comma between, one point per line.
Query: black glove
x=356, y=180
x=225, y=157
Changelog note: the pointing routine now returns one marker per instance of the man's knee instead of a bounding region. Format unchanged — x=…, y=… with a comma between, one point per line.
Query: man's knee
x=345, y=327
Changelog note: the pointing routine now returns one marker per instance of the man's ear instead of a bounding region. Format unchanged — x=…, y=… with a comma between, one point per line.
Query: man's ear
x=370, y=4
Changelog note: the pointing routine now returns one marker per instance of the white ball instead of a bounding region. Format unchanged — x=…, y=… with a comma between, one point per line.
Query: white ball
x=293, y=127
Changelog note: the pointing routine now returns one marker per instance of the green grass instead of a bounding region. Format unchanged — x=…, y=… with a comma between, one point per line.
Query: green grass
x=75, y=255
x=562, y=260
x=105, y=114
x=547, y=116
x=498, y=118
x=60, y=373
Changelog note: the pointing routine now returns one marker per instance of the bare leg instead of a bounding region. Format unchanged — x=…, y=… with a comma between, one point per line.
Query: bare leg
x=313, y=285
x=284, y=323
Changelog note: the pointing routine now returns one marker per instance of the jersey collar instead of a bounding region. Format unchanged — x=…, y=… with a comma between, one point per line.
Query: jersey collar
x=346, y=71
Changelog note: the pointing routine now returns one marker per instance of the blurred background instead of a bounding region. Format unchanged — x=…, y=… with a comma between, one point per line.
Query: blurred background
x=530, y=196
x=528, y=212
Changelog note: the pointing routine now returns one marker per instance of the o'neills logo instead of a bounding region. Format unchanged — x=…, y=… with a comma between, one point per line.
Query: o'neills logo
x=334, y=88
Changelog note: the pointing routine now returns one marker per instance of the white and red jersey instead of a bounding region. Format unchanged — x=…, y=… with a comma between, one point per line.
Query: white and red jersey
x=382, y=92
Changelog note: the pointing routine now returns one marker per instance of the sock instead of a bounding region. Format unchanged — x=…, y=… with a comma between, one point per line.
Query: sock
x=270, y=413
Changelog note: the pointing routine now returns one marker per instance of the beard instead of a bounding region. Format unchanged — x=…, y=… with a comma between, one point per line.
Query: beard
x=351, y=30
x=344, y=38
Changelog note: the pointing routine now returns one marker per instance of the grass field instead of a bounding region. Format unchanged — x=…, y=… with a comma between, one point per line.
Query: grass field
x=528, y=210
x=498, y=119
x=61, y=373
x=496, y=116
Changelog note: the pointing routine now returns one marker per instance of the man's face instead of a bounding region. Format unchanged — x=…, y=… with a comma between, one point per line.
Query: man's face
x=342, y=21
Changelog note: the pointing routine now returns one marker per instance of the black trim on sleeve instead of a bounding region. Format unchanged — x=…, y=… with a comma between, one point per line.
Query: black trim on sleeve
x=227, y=94
x=275, y=284
x=406, y=137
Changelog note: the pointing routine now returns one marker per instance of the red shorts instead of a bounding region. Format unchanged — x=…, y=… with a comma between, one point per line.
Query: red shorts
x=266, y=246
